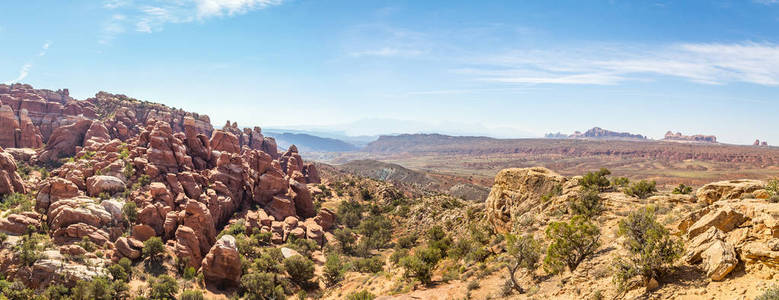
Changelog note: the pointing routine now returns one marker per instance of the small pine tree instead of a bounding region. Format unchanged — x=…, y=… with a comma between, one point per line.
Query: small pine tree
x=524, y=252
x=572, y=242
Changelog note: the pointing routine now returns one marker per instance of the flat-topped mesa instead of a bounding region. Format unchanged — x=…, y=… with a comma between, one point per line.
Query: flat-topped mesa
x=759, y=143
x=670, y=136
x=600, y=133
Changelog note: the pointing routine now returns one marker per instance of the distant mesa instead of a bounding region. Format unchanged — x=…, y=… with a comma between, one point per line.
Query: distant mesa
x=759, y=143
x=670, y=136
x=597, y=133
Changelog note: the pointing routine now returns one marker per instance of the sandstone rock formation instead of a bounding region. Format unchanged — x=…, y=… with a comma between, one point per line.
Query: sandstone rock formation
x=10, y=181
x=723, y=190
x=670, y=136
x=222, y=264
x=518, y=191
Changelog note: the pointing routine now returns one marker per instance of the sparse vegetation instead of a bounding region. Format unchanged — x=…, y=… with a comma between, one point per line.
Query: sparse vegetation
x=641, y=189
x=571, y=243
x=771, y=293
x=333, y=272
x=153, y=249
x=588, y=204
x=299, y=269
x=523, y=252
x=651, y=248
x=682, y=189
x=361, y=295
x=596, y=180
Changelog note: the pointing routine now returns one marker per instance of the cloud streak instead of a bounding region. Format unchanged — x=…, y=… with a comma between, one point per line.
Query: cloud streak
x=705, y=63
x=149, y=16
x=25, y=69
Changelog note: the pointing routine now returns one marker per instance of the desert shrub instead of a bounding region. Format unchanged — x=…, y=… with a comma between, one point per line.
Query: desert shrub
x=3, y=238
x=620, y=182
x=118, y=273
x=420, y=265
x=18, y=202
x=596, y=180
x=129, y=170
x=772, y=187
x=262, y=238
x=771, y=293
x=368, y=265
x=641, y=189
x=557, y=190
x=361, y=295
x=144, y=180
x=333, y=272
x=126, y=264
x=365, y=194
x=523, y=252
x=163, y=287
x=682, y=189
x=234, y=229
x=300, y=269
x=15, y=291
x=87, y=244
x=473, y=285
x=398, y=255
x=99, y=288
x=774, y=199
x=571, y=243
x=437, y=238
x=650, y=246
x=461, y=248
x=588, y=204
x=28, y=249
x=408, y=241
x=346, y=239
x=261, y=286
x=376, y=232
x=130, y=211
x=153, y=249
x=56, y=291
x=349, y=213
x=269, y=260
x=191, y=295
x=304, y=246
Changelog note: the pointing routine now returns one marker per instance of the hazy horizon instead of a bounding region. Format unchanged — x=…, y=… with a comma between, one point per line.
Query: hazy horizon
x=498, y=68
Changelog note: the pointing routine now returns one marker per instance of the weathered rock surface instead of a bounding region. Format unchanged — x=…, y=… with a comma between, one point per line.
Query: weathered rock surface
x=99, y=184
x=517, y=191
x=730, y=189
x=10, y=181
x=222, y=264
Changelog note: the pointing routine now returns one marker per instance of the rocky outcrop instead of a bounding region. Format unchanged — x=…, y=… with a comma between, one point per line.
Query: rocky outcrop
x=724, y=190
x=222, y=264
x=100, y=184
x=10, y=181
x=718, y=257
x=18, y=224
x=64, y=140
x=517, y=191
x=600, y=133
x=670, y=136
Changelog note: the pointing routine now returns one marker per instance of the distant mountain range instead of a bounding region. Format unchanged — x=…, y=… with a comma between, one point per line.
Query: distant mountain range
x=597, y=133
x=310, y=143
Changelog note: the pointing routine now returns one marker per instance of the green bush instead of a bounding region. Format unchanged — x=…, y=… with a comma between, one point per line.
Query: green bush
x=651, y=248
x=641, y=189
x=261, y=286
x=15, y=291
x=420, y=265
x=376, y=231
x=118, y=273
x=772, y=187
x=18, y=202
x=346, y=239
x=572, y=242
x=300, y=269
x=153, y=249
x=349, y=213
x=361, y=295
x=28, y=249
x=269, y=260
x=437, y=238
x=163, y=287
x=596, y=180
x=398, y=255
x=771, y=293
x=130, y=211
x=368, y=265
x=588, y=204
x=523, y=252
x=620, y=182
x=191, y=295
x=126, y=264
x=55, y=291
x=334, y=270
x=99, y=288
x=682, y=189
x=408, y=241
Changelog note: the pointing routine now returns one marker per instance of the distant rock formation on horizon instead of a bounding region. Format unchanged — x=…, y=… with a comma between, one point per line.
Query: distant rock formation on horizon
x=670, y=136
x=759, y=143
x=597, y=133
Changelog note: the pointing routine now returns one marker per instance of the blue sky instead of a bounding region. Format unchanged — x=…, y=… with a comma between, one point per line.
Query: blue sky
x=501, y=68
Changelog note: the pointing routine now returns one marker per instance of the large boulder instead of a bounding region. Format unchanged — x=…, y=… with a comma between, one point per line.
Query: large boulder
x=64, y=140
x=222, y=264
x=725, y=219
x=517, y=191
x=717, y=256
x=10, y=181
x=729, y=189
x=17, y=224
x=99, y=184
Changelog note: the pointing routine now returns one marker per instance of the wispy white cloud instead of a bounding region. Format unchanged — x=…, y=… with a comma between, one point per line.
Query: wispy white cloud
x=149, y=16
x=767, y=2
x=25, y=69
x=756, y=63
x=386, y=41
